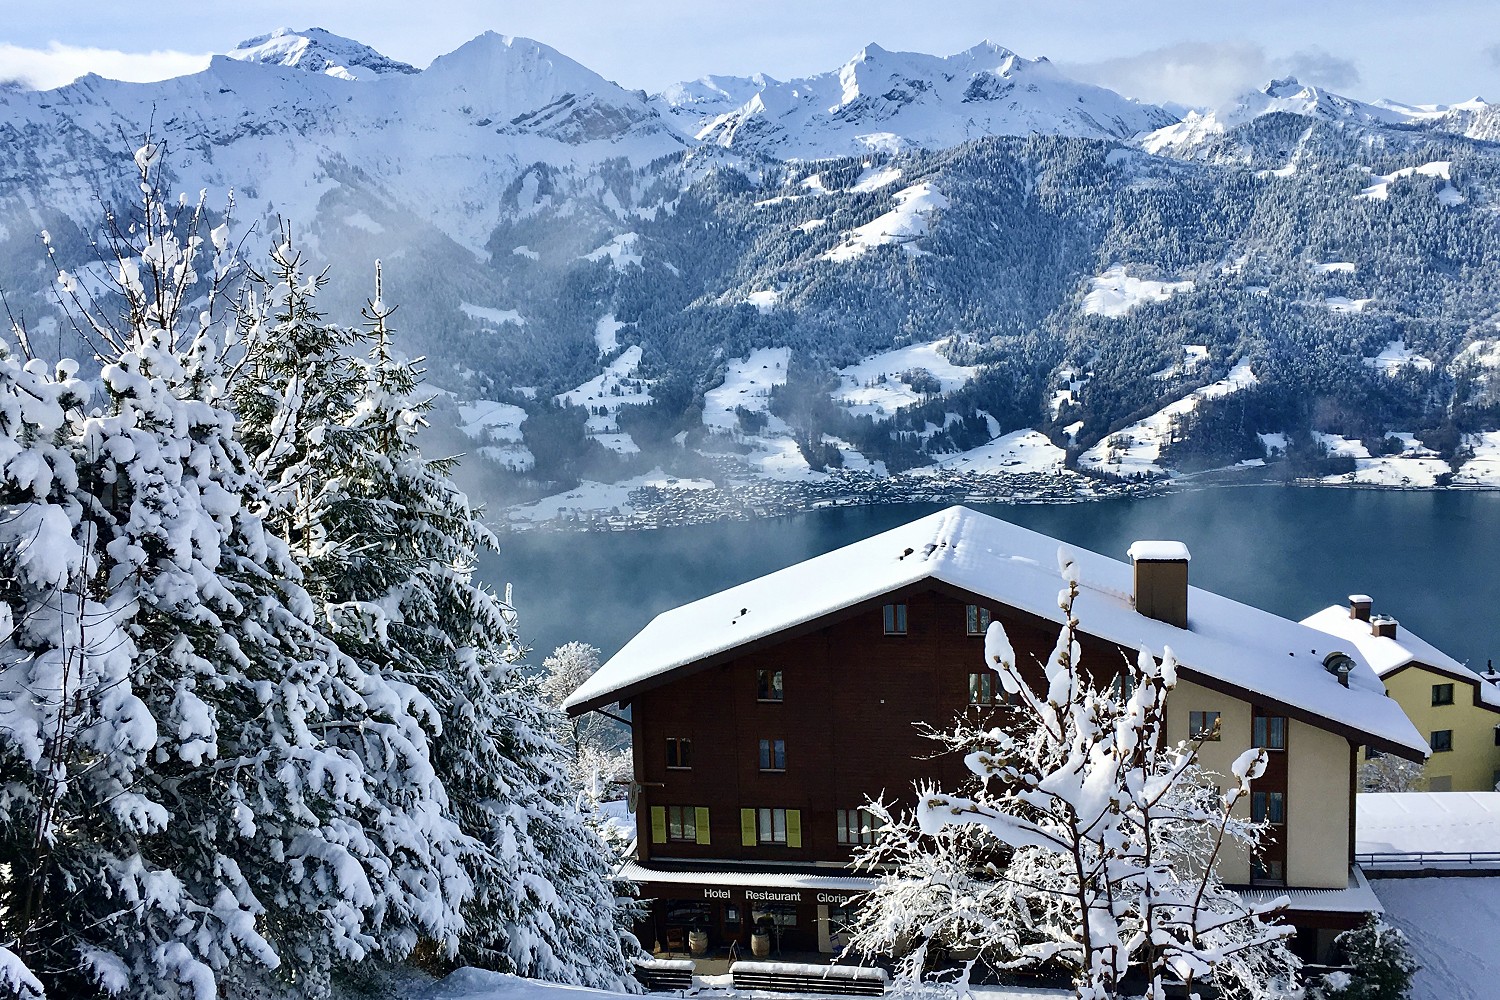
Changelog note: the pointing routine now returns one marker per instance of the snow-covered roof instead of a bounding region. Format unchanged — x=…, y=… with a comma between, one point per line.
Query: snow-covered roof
x=1386, y=654
x=710, y=875
x=1356, y=897
x=1226, y=642
x=1412, y=823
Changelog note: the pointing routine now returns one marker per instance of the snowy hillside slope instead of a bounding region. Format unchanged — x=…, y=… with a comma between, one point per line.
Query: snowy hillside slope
x=882, y=100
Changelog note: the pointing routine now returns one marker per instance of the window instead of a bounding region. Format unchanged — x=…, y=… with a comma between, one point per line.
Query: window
x=682, y=823
x=895, y=619
x=856, y=826
x=768, y=685
x=1497, y=736
x=685, y=824
x=1442, y=694
x=1441, y=741
x=679, y=753
x=982, y=688
x=1269, y=732
x=1268, y=807
x=1268, y=870
x=770, y=826
x=977, y=619
x=1203, y=726
x=1123, y=686
x=773, y=755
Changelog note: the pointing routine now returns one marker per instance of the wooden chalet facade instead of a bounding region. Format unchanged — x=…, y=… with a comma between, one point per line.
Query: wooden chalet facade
x=766, y=716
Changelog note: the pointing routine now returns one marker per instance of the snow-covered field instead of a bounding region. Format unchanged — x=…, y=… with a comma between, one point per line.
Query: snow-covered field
x=747, y=383
x=1020, y=451
x=607, y=333
x=497, y=427
x=496, y=317
x=1396, y=356
x=1448, y=922
x=1114, y=293
x=1379, y=188
x=873, y=387
x=902, y=225
x=1415, y=466
x=1136, y=449
x=611, y=389
x=621, y=252
x=1484, y=468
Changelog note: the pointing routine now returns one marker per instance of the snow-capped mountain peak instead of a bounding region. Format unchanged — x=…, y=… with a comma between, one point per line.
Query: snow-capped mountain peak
x=318, y=51
x=884, y=99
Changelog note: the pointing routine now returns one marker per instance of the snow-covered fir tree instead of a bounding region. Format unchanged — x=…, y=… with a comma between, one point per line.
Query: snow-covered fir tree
x=1086, y=842
x=388, y=546
x=257, y=721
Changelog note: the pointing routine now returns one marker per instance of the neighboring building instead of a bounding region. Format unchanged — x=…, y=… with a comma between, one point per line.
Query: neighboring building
x=765, y=716
x=1457, y=710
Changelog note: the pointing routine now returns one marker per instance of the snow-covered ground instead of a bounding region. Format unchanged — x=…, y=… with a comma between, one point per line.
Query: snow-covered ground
x=902, y=225
x=1114, y=293
x=1484, y=468
x=1136, y=449
x=1019, y=451
x=478, y=984
x=1379, y=188
x=488, y=314
x=873, y=387
x=1415, y=466
x=1344, y=304
x=1334, y=267
x=1193, y=355
x=1396, y=356
x=497, y=427
x=621, y=251
x=607, y=333
x=747, y=383
x=1448, y=922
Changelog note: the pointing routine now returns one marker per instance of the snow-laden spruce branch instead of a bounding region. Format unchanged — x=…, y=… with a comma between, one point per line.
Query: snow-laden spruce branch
x=1088, y=841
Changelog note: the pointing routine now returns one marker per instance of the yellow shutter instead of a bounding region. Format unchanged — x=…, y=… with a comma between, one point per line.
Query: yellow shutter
x=747, y=827
x=794, y=828
x=700, y=815
x=658, y=824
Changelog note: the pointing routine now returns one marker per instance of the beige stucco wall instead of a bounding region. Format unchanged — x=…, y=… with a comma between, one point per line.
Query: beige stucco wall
x=1317, y=809
x=1318, y=801
x=1472, y=764
x=1234, y=739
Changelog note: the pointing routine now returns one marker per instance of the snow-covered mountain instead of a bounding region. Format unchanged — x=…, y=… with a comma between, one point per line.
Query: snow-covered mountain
x=900, y=100
x=1286, y=96
x=318, y=51
x=289, y=118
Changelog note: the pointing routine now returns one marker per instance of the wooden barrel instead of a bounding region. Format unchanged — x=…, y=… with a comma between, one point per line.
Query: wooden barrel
x=760, y=944
x=698, y=942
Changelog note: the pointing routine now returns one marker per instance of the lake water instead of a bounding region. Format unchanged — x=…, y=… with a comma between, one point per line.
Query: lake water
x=1428, y=558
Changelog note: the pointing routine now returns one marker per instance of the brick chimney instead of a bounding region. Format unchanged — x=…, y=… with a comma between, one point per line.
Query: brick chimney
x=1383, y=626
x=1359, y=607
x=1161, y=580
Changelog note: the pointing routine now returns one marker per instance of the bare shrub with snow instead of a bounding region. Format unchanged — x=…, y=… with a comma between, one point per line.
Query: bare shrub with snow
x=1087, y=842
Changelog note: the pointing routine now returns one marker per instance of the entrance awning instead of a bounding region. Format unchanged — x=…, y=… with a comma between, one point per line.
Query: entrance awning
x=741, y=886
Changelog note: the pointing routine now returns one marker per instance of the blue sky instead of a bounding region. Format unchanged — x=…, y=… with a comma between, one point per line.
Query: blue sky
x=1198, y=51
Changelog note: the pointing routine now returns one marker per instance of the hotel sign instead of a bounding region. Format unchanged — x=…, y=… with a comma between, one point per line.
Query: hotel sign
x=745, y=894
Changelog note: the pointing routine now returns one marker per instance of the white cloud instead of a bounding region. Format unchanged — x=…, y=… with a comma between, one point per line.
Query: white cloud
x=1210, y=73
x=60, y=64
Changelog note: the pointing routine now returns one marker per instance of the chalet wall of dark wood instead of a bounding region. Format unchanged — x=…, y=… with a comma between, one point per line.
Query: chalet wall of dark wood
x=853, y=697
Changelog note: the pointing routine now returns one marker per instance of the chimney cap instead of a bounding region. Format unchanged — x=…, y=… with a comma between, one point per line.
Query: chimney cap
x=1158, y=551
x=1361, y=599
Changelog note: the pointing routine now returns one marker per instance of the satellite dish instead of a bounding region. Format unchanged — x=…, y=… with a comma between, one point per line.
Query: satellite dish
x=633, y=796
